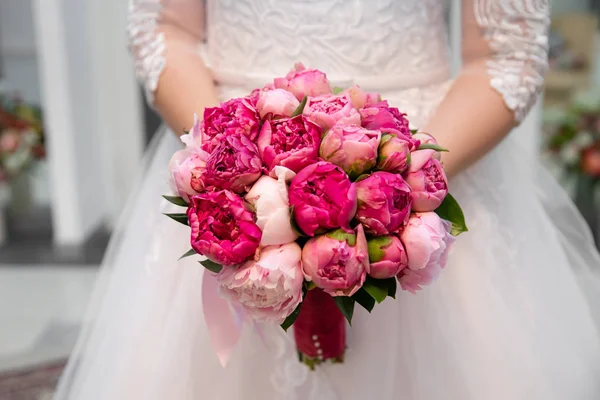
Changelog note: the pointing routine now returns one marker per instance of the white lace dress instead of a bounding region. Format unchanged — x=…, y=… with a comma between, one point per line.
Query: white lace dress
x=512, y=317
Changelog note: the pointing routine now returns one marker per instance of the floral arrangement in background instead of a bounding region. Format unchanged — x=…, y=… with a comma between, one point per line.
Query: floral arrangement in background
x=21, y=136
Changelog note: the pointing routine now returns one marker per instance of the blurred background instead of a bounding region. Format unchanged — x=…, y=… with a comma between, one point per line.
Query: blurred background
x=74, y=127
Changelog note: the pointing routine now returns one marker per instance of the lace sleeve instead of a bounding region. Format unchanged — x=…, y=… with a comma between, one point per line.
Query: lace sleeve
x=147, y=22
x=511, y=37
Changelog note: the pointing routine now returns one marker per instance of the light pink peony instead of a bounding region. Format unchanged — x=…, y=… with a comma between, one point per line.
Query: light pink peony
x=223, y=229
x=290, y=142
x=384, y=203
x=394, y=152
x=323, y=198
x=427, y=180
x=360, y=98
x=351, y=147
x=337, y=262
x=236, y=117
x=269, y=197
x=186, y=169
x=269, y=289
x=386, y=256
x=381, y=115
x=234, y=164
x=304, y=82
x=425, y=138
x=9, y=141
x=277, y=102
x=327, y=110
x=427, y=241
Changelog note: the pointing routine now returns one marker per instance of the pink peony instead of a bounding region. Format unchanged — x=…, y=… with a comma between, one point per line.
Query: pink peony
x=386, y=256
x=233, y=117
x=304, y=82
x=351, y=147
x=234, y=164
x=384, y=203
x=427, y=180
x=290, y=142
x=360, y=98
x=223, y=229
x=269, y=197
x=590, y=161
x=337, y=262
x=327, y=110
x=269, y=289
x=420, y=138
x=186, y=169
x=394, y=152
x=277, y=102
x=427, y=241
x=381, y=115
x=323, y=198
x=9, y=141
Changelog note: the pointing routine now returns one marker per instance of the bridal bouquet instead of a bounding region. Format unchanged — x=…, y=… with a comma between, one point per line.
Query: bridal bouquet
x=307, y=200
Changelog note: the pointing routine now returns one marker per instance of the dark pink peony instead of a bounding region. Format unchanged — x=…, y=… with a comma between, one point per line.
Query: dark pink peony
x=337, y=262
x=381, y=115
x=236, y=116
x=289, y=142
x=323, y=198
x=394, y=152
x=223, y=229
x=234, y=164
x=384, y=203
x=387, y=256
x=304, y=82
x=327, y=110
x=351, y=147
x=427, y=180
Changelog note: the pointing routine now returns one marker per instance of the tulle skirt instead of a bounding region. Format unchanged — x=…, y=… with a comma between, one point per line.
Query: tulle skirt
x=515, y=315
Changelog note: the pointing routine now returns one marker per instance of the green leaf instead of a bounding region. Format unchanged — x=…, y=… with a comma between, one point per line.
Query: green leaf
x=181, y=218
x=190, y=252
x=392, y=286
x=364, y=299
x=385, y=138
x=413, y=131
x=337, y=90
x=178, y=201
x=341, y=235
x=309, y=285
x=450, y=211
x=289, y=321
x=431, y=146
x=211, y=266
x=300, y=108
x=376, y=247
x=377, y=288
x=361, y=177
x=346, y=306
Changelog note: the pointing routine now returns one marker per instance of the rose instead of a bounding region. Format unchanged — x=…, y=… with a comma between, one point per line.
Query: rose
x=590, y=161
x=351, y=147
x=384, y=202
x=394, y=152
x=270, y=199
x=186, y=170
x=269, y=289
x=337, y=262
x=223, y=229
x=290, y=142
x=360, y=98
x=427, y=180
x=304, y=82
x=323, y=198
x=386, y=256
x=381, y=115
x=327, y=110
x=277, y=102
x=427, y=241
x=236, y=116
x=234, y=164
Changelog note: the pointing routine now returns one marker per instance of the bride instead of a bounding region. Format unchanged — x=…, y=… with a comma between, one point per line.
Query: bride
x=514, y=315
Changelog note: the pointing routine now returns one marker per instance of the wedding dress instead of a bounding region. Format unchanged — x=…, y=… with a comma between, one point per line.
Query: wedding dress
x=513, y=316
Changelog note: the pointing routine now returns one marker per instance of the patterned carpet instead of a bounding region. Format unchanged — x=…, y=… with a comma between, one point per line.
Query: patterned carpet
x=35, y=383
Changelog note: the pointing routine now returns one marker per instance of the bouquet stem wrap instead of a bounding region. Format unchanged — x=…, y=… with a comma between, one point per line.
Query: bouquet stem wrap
x=320, y=329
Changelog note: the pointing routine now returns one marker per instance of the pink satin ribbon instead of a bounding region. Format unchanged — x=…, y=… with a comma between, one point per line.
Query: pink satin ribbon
x=224, y=323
